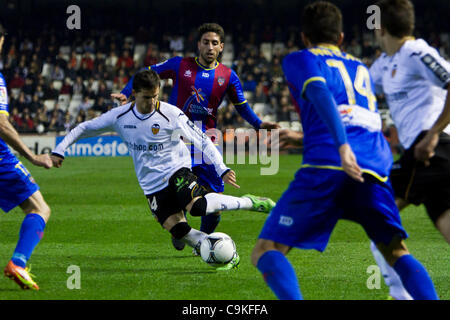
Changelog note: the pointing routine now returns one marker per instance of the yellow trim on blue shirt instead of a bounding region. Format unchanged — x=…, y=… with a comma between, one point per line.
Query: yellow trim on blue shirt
x=4, y=112
x=372, y=173
x=238, y=104
x=308, y=81
x=203, y=67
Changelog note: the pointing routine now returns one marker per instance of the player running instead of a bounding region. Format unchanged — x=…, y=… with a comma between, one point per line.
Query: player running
x=152, y=131
x=200, y=85
x=346, y=163
x=415, y=80
x=18, y=188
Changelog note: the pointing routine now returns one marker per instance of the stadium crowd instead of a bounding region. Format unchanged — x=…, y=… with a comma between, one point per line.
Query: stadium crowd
x=54, y=84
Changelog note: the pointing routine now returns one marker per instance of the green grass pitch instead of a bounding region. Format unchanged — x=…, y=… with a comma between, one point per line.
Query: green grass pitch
x=101, y=223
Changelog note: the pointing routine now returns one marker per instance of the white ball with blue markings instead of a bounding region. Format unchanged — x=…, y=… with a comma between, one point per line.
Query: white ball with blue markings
x=218, y=249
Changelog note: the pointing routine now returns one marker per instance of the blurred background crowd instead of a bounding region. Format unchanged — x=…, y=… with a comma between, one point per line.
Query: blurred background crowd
x=58, y=78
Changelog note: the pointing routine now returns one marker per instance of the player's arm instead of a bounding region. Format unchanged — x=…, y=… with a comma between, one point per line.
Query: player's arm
x=166, y=70
x=236, y=95
x=201, y=141
x=435, y=69
x=320, y=96
x=12, y=138
x=91, y=128
x=424, y=150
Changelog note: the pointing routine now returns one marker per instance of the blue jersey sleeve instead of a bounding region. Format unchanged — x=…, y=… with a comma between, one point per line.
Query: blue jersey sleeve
x=166, y=70
x=300, y=69
x=235, y=91
x=3, y=96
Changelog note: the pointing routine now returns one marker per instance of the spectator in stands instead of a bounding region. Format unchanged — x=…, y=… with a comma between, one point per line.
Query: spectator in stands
x=66, y=87
x=17, y=81
x=57, y=74
x=51, y=93
x=125, y=61
x=35, y=104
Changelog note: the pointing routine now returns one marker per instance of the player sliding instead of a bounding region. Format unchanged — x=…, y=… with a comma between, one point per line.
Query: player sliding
x=18, y=188
x=162, y=162
x=346, y=163
x=200, y=85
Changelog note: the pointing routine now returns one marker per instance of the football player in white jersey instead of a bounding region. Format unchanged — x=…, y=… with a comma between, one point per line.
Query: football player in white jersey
x=415, y=80
x=152, y=130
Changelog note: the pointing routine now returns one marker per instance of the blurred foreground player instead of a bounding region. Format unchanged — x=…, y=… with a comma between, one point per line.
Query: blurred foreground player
x=415, y=80
x=346, y=163
x=18, y=188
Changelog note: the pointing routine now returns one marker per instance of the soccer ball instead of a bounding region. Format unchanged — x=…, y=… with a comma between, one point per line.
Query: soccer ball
x=218, y=249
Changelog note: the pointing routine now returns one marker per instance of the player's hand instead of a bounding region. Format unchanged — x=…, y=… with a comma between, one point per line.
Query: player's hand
x=121, y=97
x=424, y=150
x=42, y=160
x=349, y=164
x=230, y=178
x=269, y=125
x=57, y=161
x=286, y=138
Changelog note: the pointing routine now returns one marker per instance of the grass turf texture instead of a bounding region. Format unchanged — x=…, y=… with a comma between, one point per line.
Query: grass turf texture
x=101, y=222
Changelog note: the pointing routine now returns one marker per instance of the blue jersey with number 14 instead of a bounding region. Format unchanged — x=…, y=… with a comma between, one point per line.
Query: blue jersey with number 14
x=348, y=80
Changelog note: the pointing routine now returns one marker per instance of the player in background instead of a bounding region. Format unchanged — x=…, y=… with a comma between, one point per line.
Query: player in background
x=18, y=188
x=199, y=87
x=415, y=80
x=152, y=130
x=346, y=163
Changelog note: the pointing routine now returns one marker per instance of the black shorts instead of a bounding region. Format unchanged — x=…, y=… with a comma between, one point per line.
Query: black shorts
x=182, y=188
x=416, y=183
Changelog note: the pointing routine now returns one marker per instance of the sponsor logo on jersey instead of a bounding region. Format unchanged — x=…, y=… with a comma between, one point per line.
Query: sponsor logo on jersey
x=155, y=128
x=438, y=70
x=129, y=126
x=188, y=73
x=3, y=95
x=205, y=74
x=221, y=81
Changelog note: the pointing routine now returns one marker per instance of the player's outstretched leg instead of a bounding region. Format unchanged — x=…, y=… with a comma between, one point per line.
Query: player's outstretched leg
x=396, y=289
x=220, y=202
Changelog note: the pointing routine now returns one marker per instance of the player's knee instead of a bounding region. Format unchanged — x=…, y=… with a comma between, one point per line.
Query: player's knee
x=199, y=207
x=443, y=225
x=393, y=251
x=179, y=230
x=261, y=247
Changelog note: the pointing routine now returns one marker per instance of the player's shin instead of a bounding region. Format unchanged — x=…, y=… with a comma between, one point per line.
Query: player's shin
x=216, y=202
x=30, y=234
x=415, y=278
x=391, y=278
x=279, y=275
x=192, y=237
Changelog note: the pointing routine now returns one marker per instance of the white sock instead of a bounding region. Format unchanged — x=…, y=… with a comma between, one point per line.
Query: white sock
x=216, y=202
x=194, y=237
x=391, y=278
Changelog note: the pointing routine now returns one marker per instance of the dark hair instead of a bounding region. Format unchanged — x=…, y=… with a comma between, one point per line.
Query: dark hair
x=322, y=22
x=2, y=31
x=211, y=27
x=145, y=80
x=397, y=16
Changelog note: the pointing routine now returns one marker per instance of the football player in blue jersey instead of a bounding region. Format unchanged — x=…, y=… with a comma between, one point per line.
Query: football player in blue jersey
x=18, y=188
x=200, y=85
x=346, y=163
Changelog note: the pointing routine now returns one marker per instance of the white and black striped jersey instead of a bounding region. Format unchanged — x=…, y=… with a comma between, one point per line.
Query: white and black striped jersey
x=413, y=82
x=153, y=140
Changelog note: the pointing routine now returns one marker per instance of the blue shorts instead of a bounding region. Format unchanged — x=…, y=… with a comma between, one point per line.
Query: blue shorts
x=16, y=185
x=207, y=177
x=309, y=209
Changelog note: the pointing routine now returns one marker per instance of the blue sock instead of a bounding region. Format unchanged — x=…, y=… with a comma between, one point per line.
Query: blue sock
x=209, y=223
x=30, y=234
x=279, y=275
x=415, y=278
